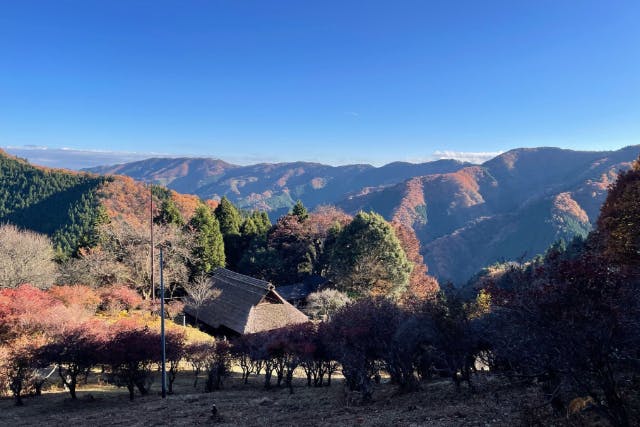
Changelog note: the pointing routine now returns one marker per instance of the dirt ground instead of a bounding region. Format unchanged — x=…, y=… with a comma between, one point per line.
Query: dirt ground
x=494, y=404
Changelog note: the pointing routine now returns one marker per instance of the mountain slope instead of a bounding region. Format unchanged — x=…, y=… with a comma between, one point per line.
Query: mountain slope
x=272, y=187
x=58, y=203
x=67, y=206
x=466, y=216
x=512, y=206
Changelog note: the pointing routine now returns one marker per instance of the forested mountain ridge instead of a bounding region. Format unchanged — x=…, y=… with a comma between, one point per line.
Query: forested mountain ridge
x=68, y=206
x=272, y=187
x=466, y=216
x=61, y=204
x=512, y=206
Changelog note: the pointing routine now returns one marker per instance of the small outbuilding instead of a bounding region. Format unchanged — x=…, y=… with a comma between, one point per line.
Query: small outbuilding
x=297, y=293
x=245, y=305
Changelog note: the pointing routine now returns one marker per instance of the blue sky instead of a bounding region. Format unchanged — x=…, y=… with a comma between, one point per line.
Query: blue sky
x=331, y=81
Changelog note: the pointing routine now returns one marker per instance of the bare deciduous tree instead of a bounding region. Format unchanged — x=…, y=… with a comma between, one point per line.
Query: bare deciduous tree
x=25, y=257
x=130, y=246
x=321, y=305
x=95, y=267
x=200, y=292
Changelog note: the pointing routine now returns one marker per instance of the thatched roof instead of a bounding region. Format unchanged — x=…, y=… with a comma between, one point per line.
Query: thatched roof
x=246, y=305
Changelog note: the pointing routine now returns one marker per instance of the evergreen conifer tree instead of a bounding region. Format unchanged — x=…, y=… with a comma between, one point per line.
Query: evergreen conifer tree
x=300, y=211
x=229, y=217
x=368, y=259
x=169, y=213
x=209, y=246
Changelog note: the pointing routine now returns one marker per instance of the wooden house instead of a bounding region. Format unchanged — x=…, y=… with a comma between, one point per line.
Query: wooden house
x=297, y=293
x=245, y=305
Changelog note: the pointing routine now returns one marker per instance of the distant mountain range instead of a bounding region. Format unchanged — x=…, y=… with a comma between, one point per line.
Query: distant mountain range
x=466, y=216
x=272, y=187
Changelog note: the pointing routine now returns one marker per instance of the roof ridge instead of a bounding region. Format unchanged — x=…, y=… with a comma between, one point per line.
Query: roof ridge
x=262, y=284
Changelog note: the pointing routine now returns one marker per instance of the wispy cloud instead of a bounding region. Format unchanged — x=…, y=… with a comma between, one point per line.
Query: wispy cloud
x=466, y=156
x=71, y=158
x=76, y=159
x=352, y=113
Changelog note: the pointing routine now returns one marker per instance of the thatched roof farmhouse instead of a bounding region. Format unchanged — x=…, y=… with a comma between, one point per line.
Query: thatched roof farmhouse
x=245, y=305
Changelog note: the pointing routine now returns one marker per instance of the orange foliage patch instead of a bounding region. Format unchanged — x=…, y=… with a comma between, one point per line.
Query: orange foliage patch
x=288, y=174
x=467, y=189
x=467, y=178
x=128, y=200
x=413, y=197
x=76, y=295
x=563, y=203
x=318, y=183
x=187, y=203
x=421, y=285
x=213, y=204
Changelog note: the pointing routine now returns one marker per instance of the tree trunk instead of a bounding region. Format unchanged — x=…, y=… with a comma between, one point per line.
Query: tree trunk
x=70, y=380
x=267, y=379
x=289, y=381
x=196, y=372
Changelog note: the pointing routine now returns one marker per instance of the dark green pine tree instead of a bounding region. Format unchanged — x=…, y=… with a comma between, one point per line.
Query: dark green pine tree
x=230, y=220
x=368, y=259
x=257, y=224
x=169, y=214
x=209, y=246
x=300, y=211
x=254, y=231
x=229, y=217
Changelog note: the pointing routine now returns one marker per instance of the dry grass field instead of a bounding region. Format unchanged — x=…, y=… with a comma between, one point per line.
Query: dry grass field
x=438, y=404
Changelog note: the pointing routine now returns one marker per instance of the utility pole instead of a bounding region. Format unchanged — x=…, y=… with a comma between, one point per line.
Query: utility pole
x=162, y=335
x=153, y=283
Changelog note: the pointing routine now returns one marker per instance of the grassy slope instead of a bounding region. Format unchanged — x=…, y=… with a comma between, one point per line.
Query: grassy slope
x=438, y=404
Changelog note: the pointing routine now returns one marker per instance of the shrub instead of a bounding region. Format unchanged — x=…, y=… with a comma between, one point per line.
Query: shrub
x=130, y=354
x=217, y=365
x=321, y=305
x=361, y=335
x=74, y=352
x=20, y=360
x=175, y=353
x=25, y=310
x=76, y=296
x=196, y=354
x=576, y=328
x=119, y=297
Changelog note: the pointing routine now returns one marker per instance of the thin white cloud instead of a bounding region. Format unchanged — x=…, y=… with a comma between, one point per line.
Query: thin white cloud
x=76, y=159
x=352, y=113
x=476, y=157
x=71, y=158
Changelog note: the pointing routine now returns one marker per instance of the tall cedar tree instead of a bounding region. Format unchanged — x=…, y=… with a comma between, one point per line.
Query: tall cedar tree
x=230, y=220
x=229, y=217
x=254, y=231
x=368, y=259
x=208, y=249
